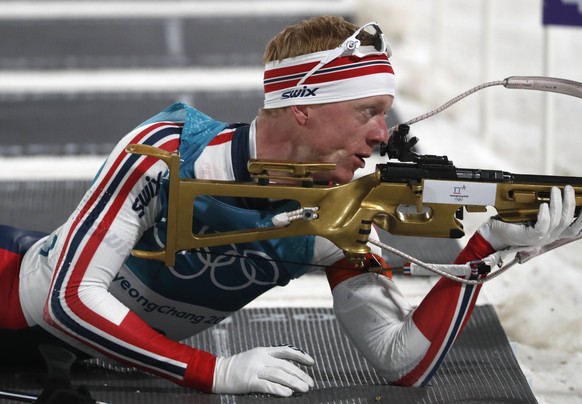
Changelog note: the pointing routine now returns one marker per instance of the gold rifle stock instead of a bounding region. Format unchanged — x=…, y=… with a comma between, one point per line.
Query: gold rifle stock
x=393, y=200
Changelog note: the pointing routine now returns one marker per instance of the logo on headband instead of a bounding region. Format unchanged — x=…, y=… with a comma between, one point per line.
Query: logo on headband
x=304, y=92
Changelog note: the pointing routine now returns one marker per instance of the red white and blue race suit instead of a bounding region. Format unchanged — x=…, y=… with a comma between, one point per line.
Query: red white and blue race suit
x=81, y=284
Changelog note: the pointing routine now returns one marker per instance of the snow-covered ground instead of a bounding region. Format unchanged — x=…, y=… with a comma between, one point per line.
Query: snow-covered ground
x=438, y=53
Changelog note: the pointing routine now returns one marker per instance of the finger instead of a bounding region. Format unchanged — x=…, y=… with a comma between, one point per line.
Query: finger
x=293, y=354
x=291, y=368
x=568, y=208
x=542, y=225
x=555, y=208
x=299, y=374
x=268, y=387
x=288, y=375
x=575, y=228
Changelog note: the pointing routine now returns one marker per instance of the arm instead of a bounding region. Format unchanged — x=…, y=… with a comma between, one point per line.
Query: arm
x=94, y=244
x=407, y=345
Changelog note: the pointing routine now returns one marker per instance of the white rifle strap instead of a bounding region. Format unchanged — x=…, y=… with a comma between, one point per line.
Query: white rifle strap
x=459, y=272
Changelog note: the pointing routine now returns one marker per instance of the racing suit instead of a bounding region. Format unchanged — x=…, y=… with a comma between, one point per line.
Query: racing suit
x=81, y=284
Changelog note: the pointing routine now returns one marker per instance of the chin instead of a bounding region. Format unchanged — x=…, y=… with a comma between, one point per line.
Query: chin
x=335, y=177
x=343, y=179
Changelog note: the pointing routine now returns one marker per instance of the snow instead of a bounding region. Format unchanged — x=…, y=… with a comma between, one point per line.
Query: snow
x=438, y=52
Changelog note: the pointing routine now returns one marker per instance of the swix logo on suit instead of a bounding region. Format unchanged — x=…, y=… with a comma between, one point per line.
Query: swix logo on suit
x=304, y=92
x=147, y=194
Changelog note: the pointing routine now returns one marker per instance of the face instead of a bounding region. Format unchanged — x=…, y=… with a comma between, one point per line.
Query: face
x=344, y=133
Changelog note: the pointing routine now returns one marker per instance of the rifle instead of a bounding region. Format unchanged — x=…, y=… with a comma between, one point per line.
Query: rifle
x=421, y=195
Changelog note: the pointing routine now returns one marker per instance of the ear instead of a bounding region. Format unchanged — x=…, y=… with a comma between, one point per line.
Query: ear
x=300, y=113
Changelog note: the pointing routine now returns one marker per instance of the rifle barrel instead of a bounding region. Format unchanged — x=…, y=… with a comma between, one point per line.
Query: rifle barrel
x=405, y=172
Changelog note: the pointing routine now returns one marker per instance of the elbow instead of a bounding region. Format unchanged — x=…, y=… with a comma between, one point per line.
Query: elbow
x=55, y=312
x=401, y=369
x=52, y=312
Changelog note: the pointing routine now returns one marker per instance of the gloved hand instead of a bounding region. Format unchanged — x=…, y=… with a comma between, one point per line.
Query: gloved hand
x=555, y=221
x=263, y=370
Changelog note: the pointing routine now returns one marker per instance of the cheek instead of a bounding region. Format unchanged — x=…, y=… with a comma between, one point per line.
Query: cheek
x=335, y=132
x=322, y=152
x=337, y=155
x=339, y=143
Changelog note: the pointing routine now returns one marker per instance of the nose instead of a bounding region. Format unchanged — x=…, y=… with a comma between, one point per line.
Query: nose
x=378, y=134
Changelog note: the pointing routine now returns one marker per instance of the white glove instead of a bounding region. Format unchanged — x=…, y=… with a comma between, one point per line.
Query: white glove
x=263, y=370
x=554, y=222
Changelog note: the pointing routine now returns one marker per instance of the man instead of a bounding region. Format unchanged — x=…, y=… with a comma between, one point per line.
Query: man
x=328, y=86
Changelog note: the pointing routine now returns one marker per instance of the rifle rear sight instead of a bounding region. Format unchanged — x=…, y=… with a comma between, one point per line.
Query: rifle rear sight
x=400, y=147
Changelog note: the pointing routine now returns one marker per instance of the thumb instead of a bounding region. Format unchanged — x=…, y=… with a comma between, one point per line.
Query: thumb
x=543, y=223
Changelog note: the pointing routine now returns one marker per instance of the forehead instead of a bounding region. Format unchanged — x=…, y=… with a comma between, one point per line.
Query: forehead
x=380, y=102
x=383, y=101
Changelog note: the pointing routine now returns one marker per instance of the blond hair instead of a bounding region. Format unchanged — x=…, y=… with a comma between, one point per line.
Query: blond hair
x=313, y=35
x=308, y=36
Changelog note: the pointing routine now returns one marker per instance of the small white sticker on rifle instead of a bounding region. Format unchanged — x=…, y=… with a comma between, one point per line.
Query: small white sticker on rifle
x=459, y=192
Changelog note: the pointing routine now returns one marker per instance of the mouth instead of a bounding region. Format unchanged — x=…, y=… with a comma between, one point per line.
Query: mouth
x=362, y=158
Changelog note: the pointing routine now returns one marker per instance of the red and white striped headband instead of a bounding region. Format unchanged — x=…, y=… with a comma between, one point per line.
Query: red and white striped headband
x=347, y=72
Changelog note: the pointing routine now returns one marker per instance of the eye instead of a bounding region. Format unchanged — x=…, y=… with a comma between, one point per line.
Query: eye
x=370, y=111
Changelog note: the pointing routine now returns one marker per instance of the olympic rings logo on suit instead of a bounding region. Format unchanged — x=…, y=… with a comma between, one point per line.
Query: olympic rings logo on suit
x=231, y=260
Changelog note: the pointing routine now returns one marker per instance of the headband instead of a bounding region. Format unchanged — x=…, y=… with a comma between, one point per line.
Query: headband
x=314, y=79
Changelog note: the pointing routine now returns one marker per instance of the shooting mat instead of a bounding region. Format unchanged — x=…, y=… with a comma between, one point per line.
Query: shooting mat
x=480, y=368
